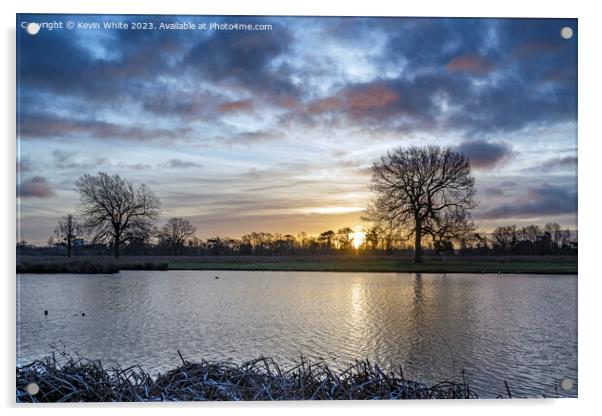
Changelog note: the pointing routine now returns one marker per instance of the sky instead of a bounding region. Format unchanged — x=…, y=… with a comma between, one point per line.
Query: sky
x=276, y=130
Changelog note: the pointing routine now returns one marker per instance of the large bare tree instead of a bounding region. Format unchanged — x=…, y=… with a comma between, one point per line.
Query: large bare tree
x=68, y=229
x=423, y=191
x=175, y=233
x=114, y=210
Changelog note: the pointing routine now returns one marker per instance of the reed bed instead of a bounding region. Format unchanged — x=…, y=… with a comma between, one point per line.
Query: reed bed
x=260, y=379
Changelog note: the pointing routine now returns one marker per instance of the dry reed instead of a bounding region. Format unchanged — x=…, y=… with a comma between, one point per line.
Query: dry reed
x=261, y=379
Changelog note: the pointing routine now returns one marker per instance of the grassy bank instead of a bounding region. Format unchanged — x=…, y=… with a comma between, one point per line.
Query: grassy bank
x=389, y=266
x=260, y=379
x=349, y=263
x=85, y=267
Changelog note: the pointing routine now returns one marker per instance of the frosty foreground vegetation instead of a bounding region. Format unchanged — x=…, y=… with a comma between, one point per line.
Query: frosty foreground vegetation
x=260, y=379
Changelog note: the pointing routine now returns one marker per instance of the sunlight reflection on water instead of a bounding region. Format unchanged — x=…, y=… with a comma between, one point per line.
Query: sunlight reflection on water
x=518, y=328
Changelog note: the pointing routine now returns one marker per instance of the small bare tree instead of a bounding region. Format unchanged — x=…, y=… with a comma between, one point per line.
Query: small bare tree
x=423, y=191
x=67, y=230
x=114, y=210
x=175, y=233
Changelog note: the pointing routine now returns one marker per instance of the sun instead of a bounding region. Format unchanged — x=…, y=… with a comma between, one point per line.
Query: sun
x=358, y=237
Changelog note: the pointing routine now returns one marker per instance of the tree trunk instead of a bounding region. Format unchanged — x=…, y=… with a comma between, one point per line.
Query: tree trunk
x=116, y=247
x=69, y=246
x=418, y=242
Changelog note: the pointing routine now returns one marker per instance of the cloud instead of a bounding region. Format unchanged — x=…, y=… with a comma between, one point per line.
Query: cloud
x=356, y=101
x=35, y=187
x=99, y=68
x=485, y=155
x=169, y=74
x=470, y=63
x=51, y=126
x=245, y=59
x=233, y=106
x=24, y=165
x=181, y=164
x=134, y=166
x=541, y=201
x=556, y=164
x=185, y=106
x=493, y=191
x=437, y=100
x=64, y=160
x=250, y=137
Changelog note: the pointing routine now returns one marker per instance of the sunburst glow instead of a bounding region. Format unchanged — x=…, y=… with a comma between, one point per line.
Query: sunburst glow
x=358, y=237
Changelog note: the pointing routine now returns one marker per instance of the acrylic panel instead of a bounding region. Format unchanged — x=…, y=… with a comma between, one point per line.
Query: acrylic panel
x=295, y=208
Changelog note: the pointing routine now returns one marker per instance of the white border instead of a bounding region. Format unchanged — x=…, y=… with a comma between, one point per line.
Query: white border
x=590, y=33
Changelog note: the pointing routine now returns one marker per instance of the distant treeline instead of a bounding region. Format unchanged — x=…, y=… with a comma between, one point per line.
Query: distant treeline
x=549, y=239
x=422, y=205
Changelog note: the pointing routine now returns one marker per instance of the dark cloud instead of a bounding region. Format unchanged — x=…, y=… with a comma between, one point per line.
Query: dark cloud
x=534, y=82
x=47, y=125
x=448, y=37
x=445, y=100
x=556, y=164
x=68, y=65
x=24, y=165
x=245, y=59
x=545, y=200
x=62, y=157
x=470, y=63
x=493, y=191
x=438, y=89
x=485, y=155
x=184, y=106
x=181, y=164
x=234, y=106
x=64, y=160
x=134, y=166
x=357, y=102
x=161, y=72
x=250, y=137
x=35, y=187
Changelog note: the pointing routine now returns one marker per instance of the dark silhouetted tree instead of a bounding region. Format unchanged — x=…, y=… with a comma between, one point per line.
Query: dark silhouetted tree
x=344, y=238
x=175, y=233
x=67, y=230
x=327, y=239
x=419, y=190
x=505, y=239
x=451, y=225
x=531, y=234
x=114, y=210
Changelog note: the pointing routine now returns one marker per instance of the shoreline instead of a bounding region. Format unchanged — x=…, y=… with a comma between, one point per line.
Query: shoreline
x=549, y=265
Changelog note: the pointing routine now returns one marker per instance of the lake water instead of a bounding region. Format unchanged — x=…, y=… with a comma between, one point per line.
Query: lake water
x=518, y=328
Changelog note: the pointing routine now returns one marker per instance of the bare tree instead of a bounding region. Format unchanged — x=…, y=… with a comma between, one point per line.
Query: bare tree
x=175, y=233
x=560, y=238
x=114, y=210
x=327, y=238
x=451, y=225
x=505, y=238
x=344, y=238
x=422, y=190
x=67, y=230
x=531, y=234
